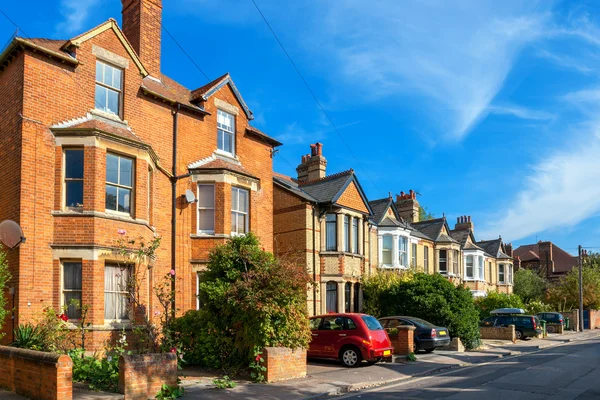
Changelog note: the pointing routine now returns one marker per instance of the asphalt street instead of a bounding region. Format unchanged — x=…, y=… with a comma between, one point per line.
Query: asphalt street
x=564, y=372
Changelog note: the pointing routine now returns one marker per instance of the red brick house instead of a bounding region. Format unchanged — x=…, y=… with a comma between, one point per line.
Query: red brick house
x=323, y=223
x=95, y=142
x=546, y=258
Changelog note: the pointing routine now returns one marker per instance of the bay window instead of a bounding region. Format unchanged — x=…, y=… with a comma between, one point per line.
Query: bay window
x=443, y=261
x=346, y=233
x=355, y=236
x=116, y=292
x=413, y=255
x=331, y=297
x=72, y=288
x=455, y=256
x=469, y=268
x=426, y=259
x=403, y=251
x=481, y=274
x=331, y=232
x=73, y=171
x=387, y=246
x=501, y=273
x=119, y=183
x=239, y=211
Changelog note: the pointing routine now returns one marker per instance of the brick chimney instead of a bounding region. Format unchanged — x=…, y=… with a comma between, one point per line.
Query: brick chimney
x=313, y=165
x=408, y=206
x=142, y=26
x=546, y=260
x=464, y=222
x=508, y=249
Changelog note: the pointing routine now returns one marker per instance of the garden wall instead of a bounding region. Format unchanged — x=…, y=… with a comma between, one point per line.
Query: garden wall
x=403, y=341
x=573, y=316
x=141, y=376
x=36, y=374
x=283, y=363
x=555, y=328
x=498, y=333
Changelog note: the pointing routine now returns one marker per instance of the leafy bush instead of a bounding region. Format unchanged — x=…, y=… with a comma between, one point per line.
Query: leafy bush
x=495, y=300
x=375, y=284
x=4, y=278
x=435, y=299
x=529, y=285
x=170, y=392
x=535, y=307
x=29, y=336
x=250, y=300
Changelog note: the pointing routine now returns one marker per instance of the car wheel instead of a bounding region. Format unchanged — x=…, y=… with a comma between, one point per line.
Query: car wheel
x=429, y=350
x=551, y=329
x=519, y=335
x=351, y=357
x=415, y=346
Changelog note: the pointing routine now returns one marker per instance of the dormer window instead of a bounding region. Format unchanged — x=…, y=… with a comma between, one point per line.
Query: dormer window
x=109, y=88
x=225, y=132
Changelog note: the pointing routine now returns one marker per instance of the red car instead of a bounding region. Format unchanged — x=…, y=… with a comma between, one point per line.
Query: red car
x=349, y=338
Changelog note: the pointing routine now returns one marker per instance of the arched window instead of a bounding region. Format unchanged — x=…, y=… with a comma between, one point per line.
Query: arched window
x=331, y=297
x=347, y=297
x=357, y=297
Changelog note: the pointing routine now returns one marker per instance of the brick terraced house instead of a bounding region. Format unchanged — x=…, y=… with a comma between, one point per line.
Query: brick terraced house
x=97, y=144
x=323, y=223
x=547, y=259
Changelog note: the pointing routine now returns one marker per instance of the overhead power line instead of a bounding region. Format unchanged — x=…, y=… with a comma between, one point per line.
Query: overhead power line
x=313, y=94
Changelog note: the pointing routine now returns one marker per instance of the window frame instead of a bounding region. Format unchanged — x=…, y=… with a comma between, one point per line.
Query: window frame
x=119, y=185
x=481, y=269
x=384, y=249
x=65, y=179
x=62, y=285
x=455, y=257
x=327, y=291
x=403, y=252
x=355, y=243
x=445, y=261
x=413, y=255
x=124, y=293
x=225, y=131
x=108, y=87
x=348, y=297
x=346, y=231
x=503, y=273
x=467, y=266
x=236, y=212
x=331, y=224
x=426, y=259
x=199, y=207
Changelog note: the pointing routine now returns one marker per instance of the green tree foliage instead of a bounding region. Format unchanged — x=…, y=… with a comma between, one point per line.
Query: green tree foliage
x=249, y=301
x=529, y=285
x=4, y=278
x=565, y=294
x=424, y=214
x=435, y=299
x=495, y=300
x=374, y=285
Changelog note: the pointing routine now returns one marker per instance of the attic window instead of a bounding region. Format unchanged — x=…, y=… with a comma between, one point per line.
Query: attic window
x=109, y=83
x=225, y=132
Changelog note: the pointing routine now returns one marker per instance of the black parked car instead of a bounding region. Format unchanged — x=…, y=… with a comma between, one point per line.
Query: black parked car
x=427, y=335
x=525, y=325
x=551, y=318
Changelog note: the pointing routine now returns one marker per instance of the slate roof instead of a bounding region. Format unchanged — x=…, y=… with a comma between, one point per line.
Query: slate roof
x=291, y=185
x=379, y=208
x=493, y=248
x=387, y=221
x=563, y=261
x=433, y=229
x=325, y=190
x=460, y=235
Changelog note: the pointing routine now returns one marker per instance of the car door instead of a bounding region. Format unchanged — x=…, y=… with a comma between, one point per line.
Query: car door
x=315, y=346
x=330, y=333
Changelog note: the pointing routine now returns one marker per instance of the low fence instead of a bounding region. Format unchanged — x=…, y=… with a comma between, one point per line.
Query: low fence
x=36, y=374
x=141, y=376
x=283, y=363
x=403, y=340
x=498, y=333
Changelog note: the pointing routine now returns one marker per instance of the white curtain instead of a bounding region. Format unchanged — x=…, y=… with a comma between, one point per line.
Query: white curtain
x=115, y=292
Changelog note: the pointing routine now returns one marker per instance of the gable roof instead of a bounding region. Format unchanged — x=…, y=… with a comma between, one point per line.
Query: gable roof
x=493, y=248
x=289, y=184
x=433, y=229
x=380, y=208
x=204, y=92
x=563, y=261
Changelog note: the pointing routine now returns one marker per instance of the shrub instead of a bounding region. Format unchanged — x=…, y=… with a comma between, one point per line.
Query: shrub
x=4, y=278
x=495, y=300
x=435, y=299
x=536, y=307
x=375, y=284
x=250, y=300
x=29, y=336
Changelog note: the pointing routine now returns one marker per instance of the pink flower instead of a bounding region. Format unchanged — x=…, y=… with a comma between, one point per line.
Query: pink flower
x=173, y=350
x=63, y=317
x=257, y=358
x=121, y=231
x=172, y=272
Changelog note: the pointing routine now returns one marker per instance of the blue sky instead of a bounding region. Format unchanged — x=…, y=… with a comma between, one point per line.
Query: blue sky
x=489, y=109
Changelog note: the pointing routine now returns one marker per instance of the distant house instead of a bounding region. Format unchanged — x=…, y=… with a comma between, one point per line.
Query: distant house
x=323, y=223
x=546, y=258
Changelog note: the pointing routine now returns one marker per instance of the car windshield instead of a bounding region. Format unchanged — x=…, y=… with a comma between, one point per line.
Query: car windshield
x=421, y=323
x=372, y=323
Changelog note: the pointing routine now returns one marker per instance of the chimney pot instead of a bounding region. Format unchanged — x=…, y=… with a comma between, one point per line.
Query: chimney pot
x=469, y=218
x=319, y=148
x=458, y=220
x=313, y=149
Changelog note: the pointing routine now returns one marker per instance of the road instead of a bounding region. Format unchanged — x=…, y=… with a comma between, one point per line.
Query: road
x=564, y=372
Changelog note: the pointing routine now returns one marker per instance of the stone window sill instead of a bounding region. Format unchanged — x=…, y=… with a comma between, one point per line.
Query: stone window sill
x=209, y=236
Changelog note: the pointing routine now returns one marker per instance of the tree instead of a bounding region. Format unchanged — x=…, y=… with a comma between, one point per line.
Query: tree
x=376, y=284
x=495, y=300
x=565, y=294
x=4, y=278
x=435, y=299
x=529, y=285
x=424, y=214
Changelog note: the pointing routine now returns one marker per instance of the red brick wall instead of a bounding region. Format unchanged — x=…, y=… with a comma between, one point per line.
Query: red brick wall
x=403, y=341
x=35, y=374
x=141, y=376
x=283, y=363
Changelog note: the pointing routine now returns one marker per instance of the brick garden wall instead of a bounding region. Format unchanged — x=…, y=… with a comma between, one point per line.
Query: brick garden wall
x=403, y=341
x=141, y=376
x=283, y=363
x=573, y=316
x=499, y=333
x=35, y=374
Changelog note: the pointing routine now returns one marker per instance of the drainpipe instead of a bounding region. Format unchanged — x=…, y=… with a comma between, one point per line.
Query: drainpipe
x=174, y=206
x=314, y=245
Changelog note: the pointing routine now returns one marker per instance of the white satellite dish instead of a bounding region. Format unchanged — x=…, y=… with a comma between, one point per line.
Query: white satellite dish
x=189, y=196
x=11, y=234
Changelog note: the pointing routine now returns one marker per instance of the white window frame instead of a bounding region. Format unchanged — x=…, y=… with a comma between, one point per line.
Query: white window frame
x=226, y=131
x=455, y=263
x=118, y=90
x=469, y=265
x=391, y=250
x=235, y=191
x=413, y=254
x=124, y=293
x=503, y=267
x=121, y=186
x=403, y=252
x=205, y=231
x=510, y=274
x=440, y=258
x=481, y=267
x=62, y=280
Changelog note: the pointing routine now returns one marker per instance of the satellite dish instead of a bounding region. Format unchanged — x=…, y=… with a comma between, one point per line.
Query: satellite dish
x=11, y=234
x=189, y=196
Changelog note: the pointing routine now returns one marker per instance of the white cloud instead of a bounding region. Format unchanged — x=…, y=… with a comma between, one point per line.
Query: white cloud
x=520, y=112
x=455, y=54
x=565, y=61
x=75, y=14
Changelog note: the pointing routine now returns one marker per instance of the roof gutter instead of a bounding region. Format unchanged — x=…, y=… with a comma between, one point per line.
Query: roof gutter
x=18, y=42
